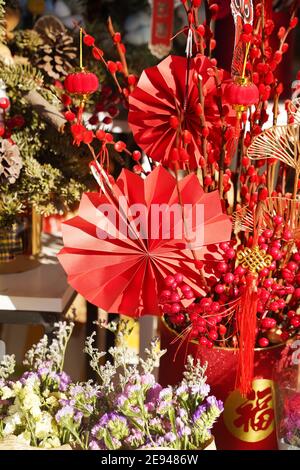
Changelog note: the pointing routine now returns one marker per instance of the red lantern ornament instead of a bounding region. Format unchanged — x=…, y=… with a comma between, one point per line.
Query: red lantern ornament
x=241, y=93
x=81, y=83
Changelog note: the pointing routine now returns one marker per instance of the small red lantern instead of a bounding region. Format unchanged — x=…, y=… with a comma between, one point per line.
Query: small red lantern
x=241, y=93
x=81, y=83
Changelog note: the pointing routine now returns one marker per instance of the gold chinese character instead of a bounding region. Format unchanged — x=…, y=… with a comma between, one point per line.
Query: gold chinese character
x=254, y=259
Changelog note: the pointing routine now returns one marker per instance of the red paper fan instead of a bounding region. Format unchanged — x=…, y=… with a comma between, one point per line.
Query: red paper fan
x=110, y=260
x=161, y=93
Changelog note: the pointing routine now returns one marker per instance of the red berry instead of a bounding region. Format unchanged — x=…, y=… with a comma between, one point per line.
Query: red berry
x=117, y=38
x=263, y=342
x=4, y=103
x=187, y=137
x=132, y=79
x=136, y=155
x=97, y=53
x=295, y=322
x=219, y=289
x=112, y=67
x=120, y=146
x=88, y=40
x=69, y=116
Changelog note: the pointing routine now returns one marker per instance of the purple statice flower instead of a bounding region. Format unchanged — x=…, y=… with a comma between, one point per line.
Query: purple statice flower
x=200, y=389
x=199, y=412
x=131, y=389
x=213, y=402
x=179, y=423
x=108, y=417
x=150, y=407
x=163, y=407
x=182, y=390
x=184, y=431
x=155, y=422
x=64, y=412
x=78, y=417
x=153, y=393
x=76, y=390
x=170, y=437
x=96, y=429
x=121, y=400
x=64, y=381
x=182, y=413
x=94, y=445
x=67, y=402
x=28, y=376
x=148, y=379
x=166, y=394
x=135, y=438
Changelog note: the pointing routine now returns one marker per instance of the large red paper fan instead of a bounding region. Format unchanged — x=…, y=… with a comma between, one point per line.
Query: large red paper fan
x=161, y=93
x=124, y=275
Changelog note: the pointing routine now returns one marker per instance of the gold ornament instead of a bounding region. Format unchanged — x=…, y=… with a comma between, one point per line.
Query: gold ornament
x=251, y=419
x=254, y=259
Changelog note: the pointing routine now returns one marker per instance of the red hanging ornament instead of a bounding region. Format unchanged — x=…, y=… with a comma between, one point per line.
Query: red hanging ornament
x=241, y=93
x=81, y=83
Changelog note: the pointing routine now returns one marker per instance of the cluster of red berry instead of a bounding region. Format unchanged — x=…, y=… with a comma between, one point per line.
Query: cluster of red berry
x=9, y=124
x=212, y=320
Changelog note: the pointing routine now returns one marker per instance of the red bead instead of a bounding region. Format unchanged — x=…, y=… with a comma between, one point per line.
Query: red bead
x=120, y=146
x=178, y=278
x=278, y=219
x=268, y=283
x=187, y=136
x=88, y=40
x=230, y=253
x=229, y=278
x=224, y=246
x=203, y=341
x=174, y=122
x=268, y=323
x=222, y=267
x=295, y=322
x=268, y=233
x=287, y=234
x=219, y=289
x=4, y=103
x=70, y=116
x=112, y=67
x=169, y=281
x=263, y=342
x=175, y=308
x=117, y=38
x=136, y=155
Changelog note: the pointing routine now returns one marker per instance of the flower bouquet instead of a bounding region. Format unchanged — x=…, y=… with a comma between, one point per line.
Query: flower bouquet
x=126, y=409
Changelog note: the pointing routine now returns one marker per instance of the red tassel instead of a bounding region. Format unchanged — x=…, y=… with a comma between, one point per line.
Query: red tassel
x=246, y=326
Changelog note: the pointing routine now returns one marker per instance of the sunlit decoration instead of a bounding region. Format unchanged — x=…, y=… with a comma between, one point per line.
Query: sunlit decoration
x=294, y=109
x=281, y=143
x=243, y=220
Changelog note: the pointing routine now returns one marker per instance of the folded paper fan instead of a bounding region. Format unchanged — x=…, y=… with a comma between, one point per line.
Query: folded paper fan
x=163, y=92
x=118, y=251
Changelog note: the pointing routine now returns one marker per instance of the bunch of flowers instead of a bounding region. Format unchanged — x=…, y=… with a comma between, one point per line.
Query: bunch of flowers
x=125, y=409
x=140, y=413
x=43, y=407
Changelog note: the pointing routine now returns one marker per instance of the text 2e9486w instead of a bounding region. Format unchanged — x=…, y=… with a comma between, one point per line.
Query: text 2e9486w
x=174, y=459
